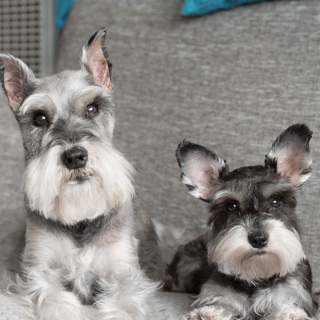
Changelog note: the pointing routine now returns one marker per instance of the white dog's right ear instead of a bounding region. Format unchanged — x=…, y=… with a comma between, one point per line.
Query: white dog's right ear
x=95, y=59
x=201, y=169
x=17, y=80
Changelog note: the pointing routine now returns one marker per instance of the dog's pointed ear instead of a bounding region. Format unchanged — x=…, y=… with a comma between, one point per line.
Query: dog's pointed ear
x=201, y=169
x=95, y=59
x=16, y=80
x=290, y=154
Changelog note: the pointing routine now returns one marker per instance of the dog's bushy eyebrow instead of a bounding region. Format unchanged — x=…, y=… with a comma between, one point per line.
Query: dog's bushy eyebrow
x=268, y=190
x=225, y=194
x=92, y=91
x=35, y=102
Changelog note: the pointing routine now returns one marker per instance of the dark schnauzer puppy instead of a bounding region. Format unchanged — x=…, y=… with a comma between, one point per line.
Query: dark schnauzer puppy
x=82, y=233
x=251, y=265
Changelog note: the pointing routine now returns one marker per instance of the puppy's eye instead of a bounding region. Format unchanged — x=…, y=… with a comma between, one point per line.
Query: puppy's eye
x=91, y=110
x=40, y=120
x=233, y=206
x=275, y=203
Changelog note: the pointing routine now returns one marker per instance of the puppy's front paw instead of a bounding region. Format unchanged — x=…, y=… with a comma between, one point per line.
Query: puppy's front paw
x=289, y=313
x=207, y=313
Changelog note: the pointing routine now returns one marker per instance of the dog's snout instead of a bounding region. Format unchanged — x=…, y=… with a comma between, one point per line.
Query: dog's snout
x=258, y=239
x=75, y=158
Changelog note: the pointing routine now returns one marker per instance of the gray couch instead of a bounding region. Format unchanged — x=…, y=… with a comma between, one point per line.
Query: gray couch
x=231, y=80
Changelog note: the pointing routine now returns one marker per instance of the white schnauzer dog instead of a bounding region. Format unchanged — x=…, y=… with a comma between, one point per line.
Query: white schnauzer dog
x=251, y=265
x=85, y=244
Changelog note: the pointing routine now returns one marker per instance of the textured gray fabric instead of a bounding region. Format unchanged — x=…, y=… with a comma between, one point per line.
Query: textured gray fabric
x=12, y=212
x=232, y=81
x=10, y=310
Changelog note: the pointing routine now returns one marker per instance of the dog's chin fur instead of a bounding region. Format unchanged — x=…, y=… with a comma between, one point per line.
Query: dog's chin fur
x=70, y=196
x=234, y=255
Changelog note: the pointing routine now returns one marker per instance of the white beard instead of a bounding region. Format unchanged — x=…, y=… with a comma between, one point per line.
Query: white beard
x=235, y=256
x=70, y=196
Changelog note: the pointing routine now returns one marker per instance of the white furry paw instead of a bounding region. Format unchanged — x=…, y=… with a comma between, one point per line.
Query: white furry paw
x=289, y=313
x=60, y=306
x=207, y=313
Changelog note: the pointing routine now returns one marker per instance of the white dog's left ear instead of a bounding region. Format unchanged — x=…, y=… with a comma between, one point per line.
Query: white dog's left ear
x=18, y=81
x=95, y=59
x=290, y=154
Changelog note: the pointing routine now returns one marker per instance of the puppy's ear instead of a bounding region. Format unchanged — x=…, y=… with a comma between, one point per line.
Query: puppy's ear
x=17, y=80
x=95, y=59
x=201, y=169
x=290, y=154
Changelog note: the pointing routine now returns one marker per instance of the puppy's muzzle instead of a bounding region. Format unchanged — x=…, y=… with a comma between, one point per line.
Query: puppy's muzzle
x=75, y=158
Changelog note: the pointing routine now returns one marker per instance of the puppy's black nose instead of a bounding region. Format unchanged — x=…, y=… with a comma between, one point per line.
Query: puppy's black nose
x=258, y=239
x=75, y=158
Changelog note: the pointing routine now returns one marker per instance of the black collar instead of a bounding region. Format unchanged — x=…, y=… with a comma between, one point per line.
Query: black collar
x=81, y=232
x=244, y=286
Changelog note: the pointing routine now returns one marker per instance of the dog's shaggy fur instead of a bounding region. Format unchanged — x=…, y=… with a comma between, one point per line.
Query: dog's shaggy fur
x=85, y=243
x=251, y=265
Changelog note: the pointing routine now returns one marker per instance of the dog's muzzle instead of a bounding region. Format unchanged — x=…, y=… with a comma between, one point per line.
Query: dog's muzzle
x=75, y=158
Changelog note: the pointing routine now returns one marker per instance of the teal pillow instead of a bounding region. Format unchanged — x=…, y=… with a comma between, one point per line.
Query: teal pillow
x=62, y=10
x=198, y=7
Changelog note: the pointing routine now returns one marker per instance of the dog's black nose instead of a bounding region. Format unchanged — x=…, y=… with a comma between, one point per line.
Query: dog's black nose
x=258, y=239
x=75, y=158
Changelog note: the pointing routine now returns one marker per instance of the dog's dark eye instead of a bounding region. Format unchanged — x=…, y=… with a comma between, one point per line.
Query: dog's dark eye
x=233, y=206
x=91, y=110
x=275, y=203
x=40, y=120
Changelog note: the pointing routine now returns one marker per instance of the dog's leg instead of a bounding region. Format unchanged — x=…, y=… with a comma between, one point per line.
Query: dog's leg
x=51, y=300
x=290, y=299
x=44, y=268
x=128, y=297
x=219, y=302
